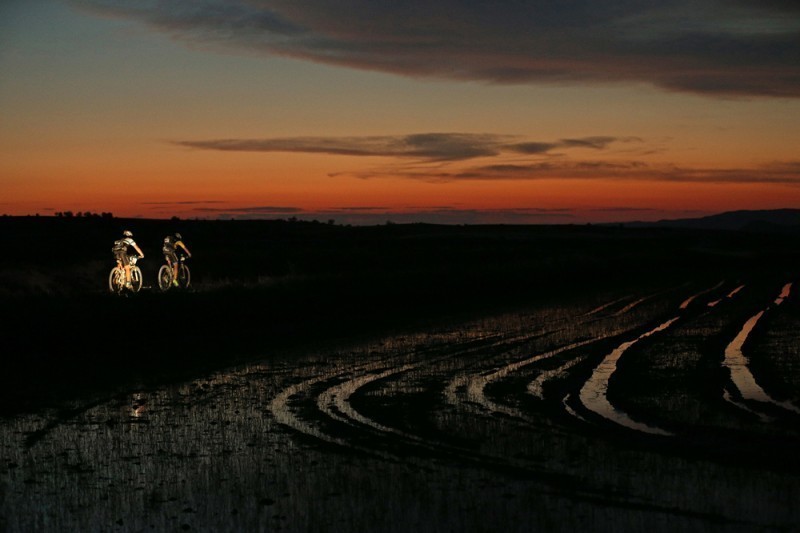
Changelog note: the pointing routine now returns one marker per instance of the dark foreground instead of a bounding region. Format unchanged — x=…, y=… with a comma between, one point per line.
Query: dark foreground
x=399, y=378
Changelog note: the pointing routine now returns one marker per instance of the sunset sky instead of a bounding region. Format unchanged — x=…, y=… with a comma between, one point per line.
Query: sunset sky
x=560, y=111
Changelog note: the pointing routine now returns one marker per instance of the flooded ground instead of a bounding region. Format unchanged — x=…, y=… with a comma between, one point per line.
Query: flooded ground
x=624, y=412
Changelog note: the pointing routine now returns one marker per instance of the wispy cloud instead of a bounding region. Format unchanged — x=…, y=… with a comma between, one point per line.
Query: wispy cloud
x=445, y=157
x=775, y=173
x=428, y=146
x=738, y=47
x=251, y=210
x=422, y=146
x=186, y=202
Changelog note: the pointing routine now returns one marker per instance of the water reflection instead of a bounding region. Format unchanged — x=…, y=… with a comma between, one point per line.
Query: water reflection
x=731, y=294
x=690, y=299
x=593, y=394
x=404, y=433
x=738, y=364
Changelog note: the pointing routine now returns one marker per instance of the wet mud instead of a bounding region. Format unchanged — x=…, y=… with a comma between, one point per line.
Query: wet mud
x=615, y=412
x=401, y=378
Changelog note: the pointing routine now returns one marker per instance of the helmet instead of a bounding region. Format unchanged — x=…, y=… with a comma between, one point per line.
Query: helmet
x=178, y=236
x=127, y=233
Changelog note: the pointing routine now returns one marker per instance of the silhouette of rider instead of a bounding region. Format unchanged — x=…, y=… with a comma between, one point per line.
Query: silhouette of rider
x=120, y=250
x=170, y=250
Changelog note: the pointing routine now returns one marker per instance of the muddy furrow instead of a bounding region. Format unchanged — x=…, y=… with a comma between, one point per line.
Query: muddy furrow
x=333, y=390
x=326, y=398
x=471, y=389
x=593, y=394
x=746, y=393
x=689, y=300
x=327, y=394
x=325, y=407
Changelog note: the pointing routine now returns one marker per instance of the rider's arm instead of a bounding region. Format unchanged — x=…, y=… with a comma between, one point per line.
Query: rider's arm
x=139, y=250
x=180, y=243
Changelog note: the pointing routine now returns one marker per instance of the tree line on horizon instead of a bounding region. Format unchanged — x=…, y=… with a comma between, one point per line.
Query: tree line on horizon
x=70, y=214
x=84, y=214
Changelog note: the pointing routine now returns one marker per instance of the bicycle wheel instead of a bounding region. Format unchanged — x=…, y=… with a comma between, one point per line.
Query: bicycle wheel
x=164, y=277
x=136, y=279
x=184, y=276
x=116, y=280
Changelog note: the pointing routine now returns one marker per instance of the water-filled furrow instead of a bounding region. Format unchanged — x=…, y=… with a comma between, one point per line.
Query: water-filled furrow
x=784, y=294
x=731, y=294
x=344, y=377
x=472, y=387
x=593, y=394
x=737, y=363
x=467, y=388
x=536, y=387
x=475, y=391
x=690, y=299
x=603, y=307
x=334, y=402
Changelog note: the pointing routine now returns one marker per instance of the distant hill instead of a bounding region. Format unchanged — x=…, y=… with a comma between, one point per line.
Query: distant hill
x=763, y=221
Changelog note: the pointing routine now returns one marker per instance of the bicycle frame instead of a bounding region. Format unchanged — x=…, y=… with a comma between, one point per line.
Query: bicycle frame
x=117, y=281
x=166, y=275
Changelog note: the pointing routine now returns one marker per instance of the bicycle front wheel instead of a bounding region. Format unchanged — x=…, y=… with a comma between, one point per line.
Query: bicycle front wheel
x=136, y=279
x=164, y=277
x=184, y=277
x=116, y=280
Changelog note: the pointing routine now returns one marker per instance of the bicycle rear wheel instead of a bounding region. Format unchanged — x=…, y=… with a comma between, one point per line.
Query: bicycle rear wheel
x=164, y=277
x=136, y=279
x=116, y=280
x=184, y=277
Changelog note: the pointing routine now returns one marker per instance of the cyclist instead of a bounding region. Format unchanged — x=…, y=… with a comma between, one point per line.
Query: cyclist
x=170, y=249
x=120, y=251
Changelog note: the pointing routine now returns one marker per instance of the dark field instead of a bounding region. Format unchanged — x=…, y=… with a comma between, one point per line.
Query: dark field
x=433, y=378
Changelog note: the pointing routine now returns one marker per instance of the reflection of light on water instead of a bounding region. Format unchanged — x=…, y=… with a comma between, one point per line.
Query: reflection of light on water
x=728, y=397
x=784, y=294
x=476, y=388
x=336, y=400
x=139, y=405
x=536, y=387
x=593, y=393
x=570, y=410
x=734, y=291
x=690, y=299
x=604, y=306
x=631, y=306
x=737, y=363
x=471, y=389
x=729, y=295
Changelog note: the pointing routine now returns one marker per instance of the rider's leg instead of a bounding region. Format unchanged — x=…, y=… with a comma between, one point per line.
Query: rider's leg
x=174, y=265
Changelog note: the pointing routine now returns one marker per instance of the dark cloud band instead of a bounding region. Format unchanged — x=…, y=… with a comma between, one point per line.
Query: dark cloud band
x=423, y=146
x=739, y=47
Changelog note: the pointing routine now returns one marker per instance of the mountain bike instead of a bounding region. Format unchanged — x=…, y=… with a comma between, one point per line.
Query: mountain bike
x=116, y=279
x=166, y=276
